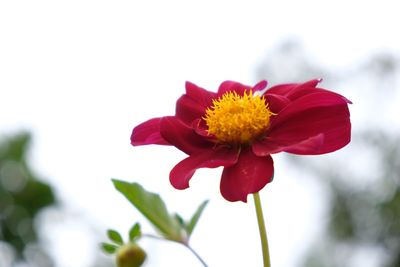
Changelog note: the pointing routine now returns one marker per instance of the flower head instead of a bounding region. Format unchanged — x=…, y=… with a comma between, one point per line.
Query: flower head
x=239, y=127
x=237, y=118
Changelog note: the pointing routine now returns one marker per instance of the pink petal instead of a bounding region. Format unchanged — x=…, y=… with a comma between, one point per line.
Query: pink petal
x=182, y=136
x=193, y=104
x=148, y=133
x=212, y=158
x=249, y=175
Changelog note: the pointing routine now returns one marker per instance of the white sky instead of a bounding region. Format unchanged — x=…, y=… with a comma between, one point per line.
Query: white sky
x=81, y=74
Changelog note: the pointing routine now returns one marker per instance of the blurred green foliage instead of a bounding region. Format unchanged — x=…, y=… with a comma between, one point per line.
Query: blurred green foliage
x=363, y=222
x=364, y=218
x=22, y=194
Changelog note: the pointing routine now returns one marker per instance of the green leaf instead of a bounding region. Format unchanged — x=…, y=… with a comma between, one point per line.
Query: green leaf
x=180, y=220
x=153, y=208
x=195, y=218
x=109, y=248
x=115, y=237
x=135, y=232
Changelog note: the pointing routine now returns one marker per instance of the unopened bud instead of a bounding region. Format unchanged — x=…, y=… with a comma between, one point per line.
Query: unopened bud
x=130, y=255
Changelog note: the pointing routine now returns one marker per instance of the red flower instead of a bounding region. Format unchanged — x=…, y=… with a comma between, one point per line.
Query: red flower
x=239, y=127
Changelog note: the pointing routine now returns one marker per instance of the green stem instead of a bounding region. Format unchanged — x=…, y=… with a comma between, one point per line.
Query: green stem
x=263, y=232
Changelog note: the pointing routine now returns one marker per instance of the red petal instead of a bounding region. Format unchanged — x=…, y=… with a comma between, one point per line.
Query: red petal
x=200, y=95
x=308, y=146
x=260, y=86
x=311, y=103
x=309, y=84
x=329, y=142
x=182, y=136
x=276, y=102
x=148, y=133
x=249, y=175
x=281, y=89
x=305, y=147
x=319, y=113
x=193, y=104
x=310, y=88
x=212, y=158
x=299, y=92
x=267, y=147
x=200, y=127
x=188, y=109
x=294, y=90
x=228, y=86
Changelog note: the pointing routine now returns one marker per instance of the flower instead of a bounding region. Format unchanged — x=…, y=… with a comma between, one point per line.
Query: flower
x=239, y=127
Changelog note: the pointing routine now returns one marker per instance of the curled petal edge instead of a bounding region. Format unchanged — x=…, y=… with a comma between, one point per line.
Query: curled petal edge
x=249, y=175
x=181, y=174
x=148, y=133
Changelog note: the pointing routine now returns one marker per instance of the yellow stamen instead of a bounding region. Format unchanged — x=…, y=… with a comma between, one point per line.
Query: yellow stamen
x=238, y=119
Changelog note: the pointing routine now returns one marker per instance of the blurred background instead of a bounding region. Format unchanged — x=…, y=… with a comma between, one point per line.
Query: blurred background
x=77, y=76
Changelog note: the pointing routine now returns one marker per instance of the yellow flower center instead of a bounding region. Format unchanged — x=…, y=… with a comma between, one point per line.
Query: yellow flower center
x=238, y=119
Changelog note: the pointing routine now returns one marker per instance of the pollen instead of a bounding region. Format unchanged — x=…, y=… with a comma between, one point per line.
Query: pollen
x=238, y=119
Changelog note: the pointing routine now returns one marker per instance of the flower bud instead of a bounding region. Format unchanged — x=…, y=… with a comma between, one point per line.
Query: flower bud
x=130, y=255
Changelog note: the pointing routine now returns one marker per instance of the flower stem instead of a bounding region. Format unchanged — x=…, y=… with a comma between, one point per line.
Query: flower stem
x=263, y=232
x=186, y=245
x=197, y=255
